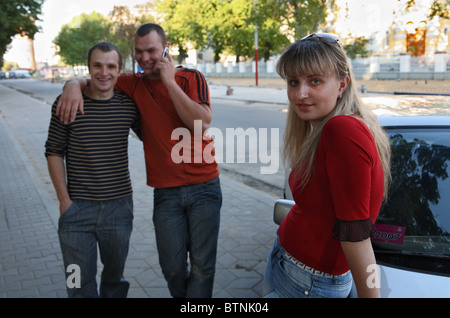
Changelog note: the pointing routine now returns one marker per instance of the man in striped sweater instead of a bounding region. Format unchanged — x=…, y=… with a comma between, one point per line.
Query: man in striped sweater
x=96, y=205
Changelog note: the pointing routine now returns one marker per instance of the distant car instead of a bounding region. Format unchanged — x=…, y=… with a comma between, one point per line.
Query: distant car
x=12, y=74
x=2, y=75
x=22, y=74
x=412, y=239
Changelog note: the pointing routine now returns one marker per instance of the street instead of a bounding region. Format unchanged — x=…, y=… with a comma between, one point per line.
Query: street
x=227, y=114
x=248, y=126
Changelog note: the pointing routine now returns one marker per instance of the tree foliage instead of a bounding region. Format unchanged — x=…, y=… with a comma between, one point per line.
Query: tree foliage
x=228, y=27
x=357, y=47
x=303, y=16
x=225, y=26
x=17, y=17
x=439, y=8
x=77, y=37
x=124, y=26
x=181, y=23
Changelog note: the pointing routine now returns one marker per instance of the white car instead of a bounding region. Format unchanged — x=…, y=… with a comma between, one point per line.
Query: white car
x=412, y=241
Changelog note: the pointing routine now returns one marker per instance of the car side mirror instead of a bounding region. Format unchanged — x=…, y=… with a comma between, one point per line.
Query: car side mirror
x=281, y=209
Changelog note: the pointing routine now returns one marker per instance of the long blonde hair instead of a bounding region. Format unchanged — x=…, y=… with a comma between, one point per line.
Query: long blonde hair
x=316, y=55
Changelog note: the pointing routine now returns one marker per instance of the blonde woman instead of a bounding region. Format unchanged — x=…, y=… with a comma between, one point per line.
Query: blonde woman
x=340, y=158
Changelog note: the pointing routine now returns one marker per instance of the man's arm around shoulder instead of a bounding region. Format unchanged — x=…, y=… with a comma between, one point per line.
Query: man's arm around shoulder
x=71, y=99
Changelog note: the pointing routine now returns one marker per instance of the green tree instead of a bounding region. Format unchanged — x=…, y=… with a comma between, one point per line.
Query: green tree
x=303, y=16
x=239, y=28
x=8, y=66
x=229, y=26
x=124, y=26
x=17, y=17
x=184, y=22
x=271, y=39
x=439, y=8
x=77, y=37
x=358, y=48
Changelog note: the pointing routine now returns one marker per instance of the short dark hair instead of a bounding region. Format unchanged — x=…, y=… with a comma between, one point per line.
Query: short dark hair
x=145, y=29
x=105, y=47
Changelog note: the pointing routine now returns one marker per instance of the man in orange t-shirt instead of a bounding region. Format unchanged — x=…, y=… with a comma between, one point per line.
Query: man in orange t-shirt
x=187, y=194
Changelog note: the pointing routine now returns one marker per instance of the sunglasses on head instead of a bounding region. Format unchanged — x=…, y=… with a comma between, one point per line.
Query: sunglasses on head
x=326, y=36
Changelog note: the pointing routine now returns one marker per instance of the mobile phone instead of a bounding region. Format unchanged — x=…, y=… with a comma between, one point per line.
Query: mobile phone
x=166, y=50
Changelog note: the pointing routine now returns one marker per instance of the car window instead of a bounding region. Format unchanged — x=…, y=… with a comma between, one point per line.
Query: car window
x=414, y=224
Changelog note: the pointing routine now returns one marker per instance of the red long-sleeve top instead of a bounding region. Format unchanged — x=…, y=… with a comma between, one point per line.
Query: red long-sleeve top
x=342, y=200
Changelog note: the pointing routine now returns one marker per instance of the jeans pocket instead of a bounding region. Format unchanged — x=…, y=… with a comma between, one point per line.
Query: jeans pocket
x=212, y=190
x=291, y=281
x=69, y=210
x=129, y=206
x=338, y=287
x=69, y=217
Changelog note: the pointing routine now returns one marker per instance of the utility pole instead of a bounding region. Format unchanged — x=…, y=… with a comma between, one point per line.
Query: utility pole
x=33, y=55
x=256, y=43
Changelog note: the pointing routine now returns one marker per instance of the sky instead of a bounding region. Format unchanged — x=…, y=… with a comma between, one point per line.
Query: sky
x=364, y=18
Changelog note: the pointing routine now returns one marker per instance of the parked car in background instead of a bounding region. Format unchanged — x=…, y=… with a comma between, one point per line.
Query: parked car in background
x=22, y=74
x=19, y=73
x=2, y=75
x=412, y=239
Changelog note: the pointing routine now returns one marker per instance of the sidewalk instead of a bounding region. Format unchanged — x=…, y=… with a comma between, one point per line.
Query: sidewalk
x=30, y=258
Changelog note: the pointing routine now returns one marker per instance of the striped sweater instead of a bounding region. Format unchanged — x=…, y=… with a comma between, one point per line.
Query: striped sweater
x=95, y=147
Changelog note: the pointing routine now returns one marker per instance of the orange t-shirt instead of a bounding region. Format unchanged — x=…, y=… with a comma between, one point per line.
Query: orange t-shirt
x=171, y=162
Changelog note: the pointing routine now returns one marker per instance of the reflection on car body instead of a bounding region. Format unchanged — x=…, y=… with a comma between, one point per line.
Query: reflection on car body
x=412, y=241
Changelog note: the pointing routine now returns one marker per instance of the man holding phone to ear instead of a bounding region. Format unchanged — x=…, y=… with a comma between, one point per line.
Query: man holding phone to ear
x=166, y=51
x=187, y=195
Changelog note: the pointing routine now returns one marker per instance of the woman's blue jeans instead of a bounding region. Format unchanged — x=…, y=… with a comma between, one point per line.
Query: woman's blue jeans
x=86, y=224
x=186, y=220
x=285, y=277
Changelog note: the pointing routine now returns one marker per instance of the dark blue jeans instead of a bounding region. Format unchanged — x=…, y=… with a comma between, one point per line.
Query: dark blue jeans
x=186, y=223
x=86, y=224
